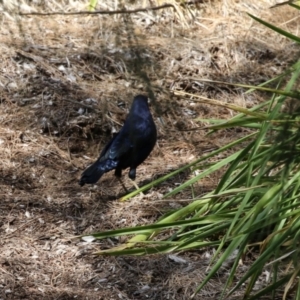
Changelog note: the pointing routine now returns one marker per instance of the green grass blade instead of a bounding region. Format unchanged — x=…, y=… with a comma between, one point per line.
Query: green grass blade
x=277, y=29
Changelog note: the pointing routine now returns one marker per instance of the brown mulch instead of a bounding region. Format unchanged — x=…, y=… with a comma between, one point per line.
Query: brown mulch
x=66, y=83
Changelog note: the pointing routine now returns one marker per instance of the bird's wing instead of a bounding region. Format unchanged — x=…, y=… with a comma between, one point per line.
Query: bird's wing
x=108, y=144
x=119, y=145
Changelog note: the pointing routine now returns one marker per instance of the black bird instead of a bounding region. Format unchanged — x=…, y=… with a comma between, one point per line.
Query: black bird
x=129, y=147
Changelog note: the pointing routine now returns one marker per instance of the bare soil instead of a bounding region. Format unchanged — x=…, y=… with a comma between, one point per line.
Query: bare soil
x=66, y=83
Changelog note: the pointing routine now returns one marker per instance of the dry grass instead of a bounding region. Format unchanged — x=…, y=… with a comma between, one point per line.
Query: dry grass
x=66, y=84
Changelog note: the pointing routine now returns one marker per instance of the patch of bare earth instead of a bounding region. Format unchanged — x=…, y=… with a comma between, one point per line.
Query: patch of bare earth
x=66, y=83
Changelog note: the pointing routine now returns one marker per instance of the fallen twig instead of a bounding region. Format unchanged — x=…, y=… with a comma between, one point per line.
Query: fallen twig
x=100, y=12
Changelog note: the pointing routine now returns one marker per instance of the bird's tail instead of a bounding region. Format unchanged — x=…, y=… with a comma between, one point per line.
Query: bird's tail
x=94, y=172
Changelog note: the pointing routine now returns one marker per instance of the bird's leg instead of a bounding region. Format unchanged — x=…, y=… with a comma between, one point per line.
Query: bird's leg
x=118, y=174
x=123, y=185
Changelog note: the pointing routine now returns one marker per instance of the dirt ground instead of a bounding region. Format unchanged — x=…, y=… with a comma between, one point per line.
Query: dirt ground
x=66, y=83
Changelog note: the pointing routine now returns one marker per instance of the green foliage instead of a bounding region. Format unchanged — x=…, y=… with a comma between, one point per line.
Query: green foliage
x=92, y=5
x=255, y=205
